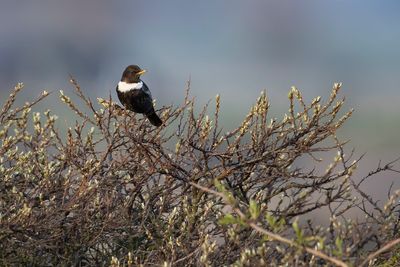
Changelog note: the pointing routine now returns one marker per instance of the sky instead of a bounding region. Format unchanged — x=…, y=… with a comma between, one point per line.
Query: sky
x=234, y=48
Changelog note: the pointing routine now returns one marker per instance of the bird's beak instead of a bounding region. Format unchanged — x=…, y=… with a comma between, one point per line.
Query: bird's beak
x=141, y=72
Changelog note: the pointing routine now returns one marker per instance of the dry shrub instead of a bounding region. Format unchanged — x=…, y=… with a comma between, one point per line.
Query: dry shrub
x=116, y=191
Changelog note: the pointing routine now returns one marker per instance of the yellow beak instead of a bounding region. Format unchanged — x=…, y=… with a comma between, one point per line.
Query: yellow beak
x=141, y=72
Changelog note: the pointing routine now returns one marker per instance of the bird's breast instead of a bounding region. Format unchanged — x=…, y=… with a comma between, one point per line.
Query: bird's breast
x=124, y=87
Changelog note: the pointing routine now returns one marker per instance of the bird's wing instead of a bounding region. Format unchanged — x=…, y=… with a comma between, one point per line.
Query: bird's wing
x=146, y=90
x=141, y=102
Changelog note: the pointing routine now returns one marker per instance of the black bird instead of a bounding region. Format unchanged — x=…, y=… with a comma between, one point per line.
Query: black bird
x=135, y=95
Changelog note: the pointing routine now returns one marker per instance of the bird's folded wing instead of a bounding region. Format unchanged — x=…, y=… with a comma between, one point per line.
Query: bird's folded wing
x=140, y=101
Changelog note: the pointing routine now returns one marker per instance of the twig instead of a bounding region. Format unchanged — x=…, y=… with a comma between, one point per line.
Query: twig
x=379, y=251
x=271, y=234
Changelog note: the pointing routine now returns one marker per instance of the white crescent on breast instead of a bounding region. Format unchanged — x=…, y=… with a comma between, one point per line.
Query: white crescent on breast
x=126, y=87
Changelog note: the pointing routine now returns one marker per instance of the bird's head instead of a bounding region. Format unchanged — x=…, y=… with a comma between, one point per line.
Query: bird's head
x=132, y=74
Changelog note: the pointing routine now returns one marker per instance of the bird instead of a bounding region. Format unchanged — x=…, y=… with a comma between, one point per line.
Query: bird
x=134, y=94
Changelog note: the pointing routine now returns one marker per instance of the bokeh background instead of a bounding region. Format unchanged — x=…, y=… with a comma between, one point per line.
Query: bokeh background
x=234, y=48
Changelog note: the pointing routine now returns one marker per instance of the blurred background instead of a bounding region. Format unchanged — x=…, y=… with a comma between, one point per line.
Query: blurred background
x=233, y=48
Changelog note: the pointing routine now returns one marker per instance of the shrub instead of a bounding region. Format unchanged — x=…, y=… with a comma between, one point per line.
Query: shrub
x=113, y=190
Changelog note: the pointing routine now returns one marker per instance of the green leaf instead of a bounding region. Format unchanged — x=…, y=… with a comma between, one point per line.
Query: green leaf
x=220, y=187
x=320, y=244
x=254, y=209
x=297, y=230
x=271, y=220
x=339, y=246
x=228, y=219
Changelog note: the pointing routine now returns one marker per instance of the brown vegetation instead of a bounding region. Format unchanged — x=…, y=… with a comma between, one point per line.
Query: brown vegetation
x=116, y=191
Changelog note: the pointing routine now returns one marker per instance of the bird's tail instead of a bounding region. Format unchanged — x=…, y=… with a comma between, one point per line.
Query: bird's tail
x=154, y=119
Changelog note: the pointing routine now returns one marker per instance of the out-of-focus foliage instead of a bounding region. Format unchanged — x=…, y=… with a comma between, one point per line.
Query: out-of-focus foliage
x=116, y=191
